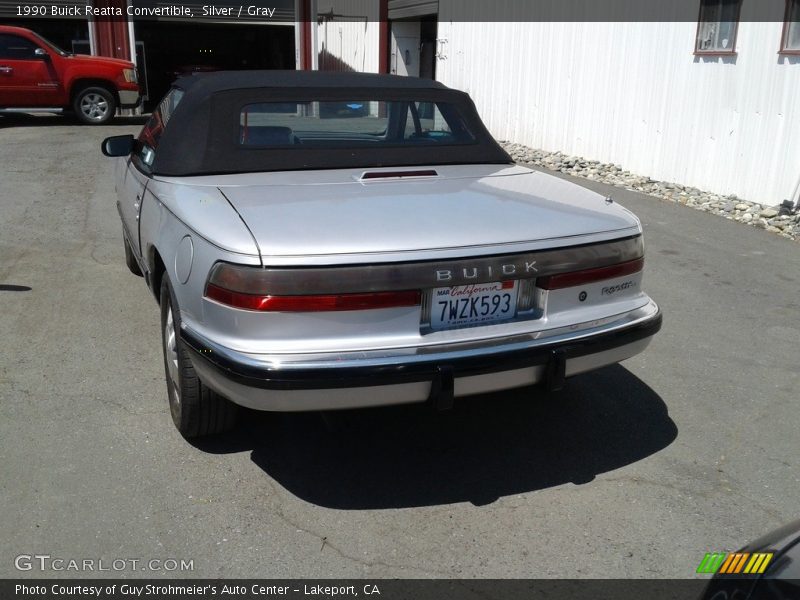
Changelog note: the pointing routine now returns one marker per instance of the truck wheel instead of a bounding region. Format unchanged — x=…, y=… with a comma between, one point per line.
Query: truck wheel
x=133, y=266
x=196, y=409
x=94, y=105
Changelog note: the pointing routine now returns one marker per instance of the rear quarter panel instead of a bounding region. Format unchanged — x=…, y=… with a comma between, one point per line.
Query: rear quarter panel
x=169, y=214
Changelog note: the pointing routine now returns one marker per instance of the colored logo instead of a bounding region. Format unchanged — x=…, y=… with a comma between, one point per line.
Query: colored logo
x=735, y=563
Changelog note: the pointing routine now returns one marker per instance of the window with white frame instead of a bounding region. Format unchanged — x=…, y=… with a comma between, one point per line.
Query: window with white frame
x=790, y=42
x=717, y=26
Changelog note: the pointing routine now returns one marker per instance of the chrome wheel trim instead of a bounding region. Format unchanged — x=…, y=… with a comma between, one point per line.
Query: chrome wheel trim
x=171, y=356
x=94, y=106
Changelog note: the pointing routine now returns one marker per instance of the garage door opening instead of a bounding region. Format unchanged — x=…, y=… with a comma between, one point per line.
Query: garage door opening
x=168, y=50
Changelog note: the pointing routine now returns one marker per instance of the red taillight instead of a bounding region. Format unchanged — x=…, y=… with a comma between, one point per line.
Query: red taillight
x=315, y=303
x=573, y=278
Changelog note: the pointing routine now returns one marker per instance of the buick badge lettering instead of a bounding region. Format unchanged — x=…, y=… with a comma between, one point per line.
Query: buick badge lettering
x=444, y=275
x=473, y=273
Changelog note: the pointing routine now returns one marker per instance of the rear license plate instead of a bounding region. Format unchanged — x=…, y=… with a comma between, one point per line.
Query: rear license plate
x=473, y=304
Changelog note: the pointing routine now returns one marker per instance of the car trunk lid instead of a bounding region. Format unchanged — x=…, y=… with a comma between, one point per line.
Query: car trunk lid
x=346, y=213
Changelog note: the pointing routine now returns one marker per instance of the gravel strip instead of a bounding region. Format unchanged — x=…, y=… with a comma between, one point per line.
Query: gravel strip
x=730, y=207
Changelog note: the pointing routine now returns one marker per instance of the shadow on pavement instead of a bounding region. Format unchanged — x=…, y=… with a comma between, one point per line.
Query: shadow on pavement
x=487, y=447
x=54, y=120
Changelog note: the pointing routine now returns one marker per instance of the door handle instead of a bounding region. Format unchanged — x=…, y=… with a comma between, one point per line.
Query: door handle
x=6, y=70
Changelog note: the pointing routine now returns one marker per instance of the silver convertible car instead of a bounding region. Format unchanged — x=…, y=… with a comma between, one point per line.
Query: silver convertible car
x=324, y=241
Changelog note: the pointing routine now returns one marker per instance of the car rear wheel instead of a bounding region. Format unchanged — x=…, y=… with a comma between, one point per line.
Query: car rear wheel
x=94, y=105
x=196, y=409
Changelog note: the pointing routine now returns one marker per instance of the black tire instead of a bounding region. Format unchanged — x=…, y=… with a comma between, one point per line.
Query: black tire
x=133, y=266
x=94, y=105
x=196, y=409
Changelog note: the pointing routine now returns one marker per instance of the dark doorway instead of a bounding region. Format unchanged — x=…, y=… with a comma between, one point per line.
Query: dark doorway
x=427, y=47
x=176, y=49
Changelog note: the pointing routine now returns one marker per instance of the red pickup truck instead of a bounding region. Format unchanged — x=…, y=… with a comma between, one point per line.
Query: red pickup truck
x=37, y=76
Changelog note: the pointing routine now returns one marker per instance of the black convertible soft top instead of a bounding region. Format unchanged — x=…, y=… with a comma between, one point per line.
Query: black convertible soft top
x=202, y=136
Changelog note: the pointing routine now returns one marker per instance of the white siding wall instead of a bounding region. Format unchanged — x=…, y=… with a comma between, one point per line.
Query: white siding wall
x=634, y=94
x=348, y=42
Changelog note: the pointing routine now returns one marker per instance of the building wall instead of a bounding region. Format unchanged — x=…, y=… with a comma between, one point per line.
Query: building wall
x=347, y=40
x=634, y=94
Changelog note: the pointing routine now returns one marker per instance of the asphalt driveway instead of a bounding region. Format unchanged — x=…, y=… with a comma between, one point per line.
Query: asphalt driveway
x=634, y=471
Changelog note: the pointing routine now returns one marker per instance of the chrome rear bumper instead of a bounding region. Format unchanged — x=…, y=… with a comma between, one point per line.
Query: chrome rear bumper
x=292, y=382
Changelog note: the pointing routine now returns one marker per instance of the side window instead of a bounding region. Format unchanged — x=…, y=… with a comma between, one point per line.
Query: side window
x=425, y=122
x=790, y=42
x=717, y=27
x=13, y=47
x=430, y=119
x=147, y=143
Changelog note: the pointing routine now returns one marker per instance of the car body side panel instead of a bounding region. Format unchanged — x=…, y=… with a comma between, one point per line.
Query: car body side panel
x=162, y=232
x=109, y=70
x=131, y=186
x=30, y=83
x=207, y=213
